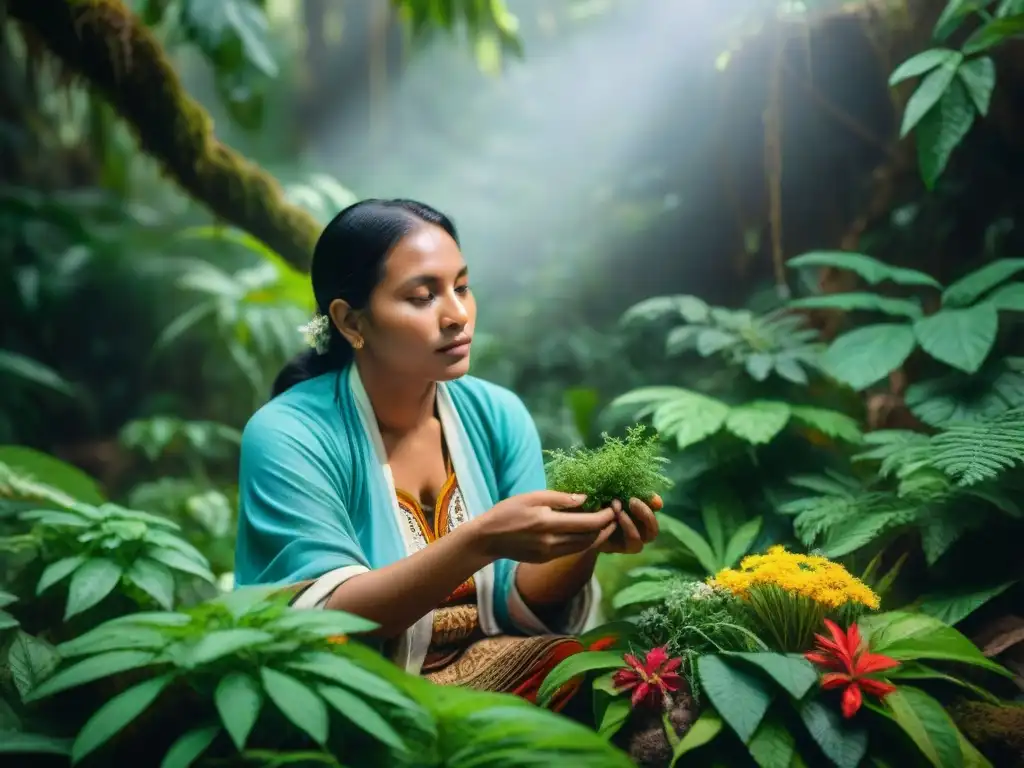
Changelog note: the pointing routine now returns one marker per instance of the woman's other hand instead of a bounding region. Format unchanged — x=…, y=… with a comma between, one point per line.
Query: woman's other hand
x=534, y=528
x=634, y=529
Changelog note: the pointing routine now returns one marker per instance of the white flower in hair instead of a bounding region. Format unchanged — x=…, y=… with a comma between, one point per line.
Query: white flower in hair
x=317, y=333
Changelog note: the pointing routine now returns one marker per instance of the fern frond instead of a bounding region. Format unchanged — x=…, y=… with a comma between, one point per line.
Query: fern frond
x=901, y=451
x=973, y=452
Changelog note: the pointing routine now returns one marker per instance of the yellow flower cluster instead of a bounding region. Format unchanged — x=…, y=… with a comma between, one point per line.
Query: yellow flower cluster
x=817, y=578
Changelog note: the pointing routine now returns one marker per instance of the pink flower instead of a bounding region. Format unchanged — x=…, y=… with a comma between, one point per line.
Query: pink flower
x=652, y=680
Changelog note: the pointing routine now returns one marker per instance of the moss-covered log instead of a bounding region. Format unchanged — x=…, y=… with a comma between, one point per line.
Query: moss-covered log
x=107, y=45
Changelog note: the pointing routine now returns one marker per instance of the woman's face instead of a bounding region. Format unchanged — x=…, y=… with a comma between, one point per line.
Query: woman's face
x=421, y=315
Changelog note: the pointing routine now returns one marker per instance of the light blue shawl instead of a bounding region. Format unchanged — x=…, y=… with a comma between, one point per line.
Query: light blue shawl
x=317, y=500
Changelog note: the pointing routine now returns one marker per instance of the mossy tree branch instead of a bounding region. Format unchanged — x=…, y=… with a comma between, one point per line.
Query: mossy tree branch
x=107, y=45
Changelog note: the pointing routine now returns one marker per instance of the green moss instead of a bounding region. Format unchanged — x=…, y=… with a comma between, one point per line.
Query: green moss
x=994, y=728
x=106, y=44
x=619, y=469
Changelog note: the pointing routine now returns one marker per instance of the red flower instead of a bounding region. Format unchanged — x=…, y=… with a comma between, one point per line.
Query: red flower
x=651, y=681
x=849, y=666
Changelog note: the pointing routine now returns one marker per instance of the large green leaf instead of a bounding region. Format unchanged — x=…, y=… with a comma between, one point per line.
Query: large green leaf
x=495, y=733
x=832, y=423
x=864, y=302
x=921, y=63
x=757, y=422
x=30, y=661
x=870, y=269
x=704, y=731
x=239, y=699
x=961, y=338
x=954, y=15
x=680, y=414
x=929, y=92
x=913, y=636
x=925, y=721
x=174, y=559
x=92, y=668
x=941, y=130
x=794, y=673
x=1008, y=297
x=362, y=715
x=740, y=698
x=611, y=709
x=187, y=749
x=155, y=579
x=224, y=642
x=863, y=357
x=114, y=638
x=953, y=607
x=90, y=583
x=113, y=716
x=21, y=743
x=323, y=623
x=574, y=666
x=993, y=33
x=712, y=340
x=914, y=670
x=979, y=78
x=53, y=472
x=58, y=571
x=344, y=672
x=741, y=541
x=773, y=744
x=303, y=707
x=694, y=542
x=844, y=743
x=641, y=592
x=973, y=285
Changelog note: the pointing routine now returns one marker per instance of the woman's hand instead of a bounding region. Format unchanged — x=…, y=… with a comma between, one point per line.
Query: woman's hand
x=634, y=529
x=531, y=528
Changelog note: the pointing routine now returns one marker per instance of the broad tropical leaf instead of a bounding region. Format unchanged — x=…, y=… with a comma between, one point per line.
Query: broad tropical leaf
x=961, y=338
x=974, y=285
x=867, y=355
x=870, y=269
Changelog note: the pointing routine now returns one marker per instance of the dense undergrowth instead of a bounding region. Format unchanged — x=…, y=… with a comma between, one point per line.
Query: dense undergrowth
x=788, y=500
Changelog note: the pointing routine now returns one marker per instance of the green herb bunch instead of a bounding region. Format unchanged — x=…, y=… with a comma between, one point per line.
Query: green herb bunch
x=99, y=548
x=242, y=654
x=694, y=619
x=619, y=469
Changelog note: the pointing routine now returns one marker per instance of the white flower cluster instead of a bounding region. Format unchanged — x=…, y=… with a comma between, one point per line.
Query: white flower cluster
x=317, y=333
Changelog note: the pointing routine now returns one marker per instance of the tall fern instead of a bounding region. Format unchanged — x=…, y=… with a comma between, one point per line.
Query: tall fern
x=973, y=452
x=968, y=452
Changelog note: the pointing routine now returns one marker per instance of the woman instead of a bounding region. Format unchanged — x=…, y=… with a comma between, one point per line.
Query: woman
x=383, y=481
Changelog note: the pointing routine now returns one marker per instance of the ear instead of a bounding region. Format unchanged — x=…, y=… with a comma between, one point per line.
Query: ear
x=346, y=320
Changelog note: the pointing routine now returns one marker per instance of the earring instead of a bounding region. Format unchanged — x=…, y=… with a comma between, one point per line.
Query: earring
x=357, y=344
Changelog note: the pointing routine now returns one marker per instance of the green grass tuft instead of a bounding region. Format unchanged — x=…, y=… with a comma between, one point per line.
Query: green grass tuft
x=619, y=469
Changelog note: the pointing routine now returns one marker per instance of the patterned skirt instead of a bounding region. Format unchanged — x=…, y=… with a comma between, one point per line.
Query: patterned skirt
x=461, y=655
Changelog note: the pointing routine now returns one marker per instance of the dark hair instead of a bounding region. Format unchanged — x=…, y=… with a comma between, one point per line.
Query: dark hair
x=348, y=263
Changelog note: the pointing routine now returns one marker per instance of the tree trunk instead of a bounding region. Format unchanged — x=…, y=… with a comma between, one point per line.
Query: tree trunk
x=107, y=45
